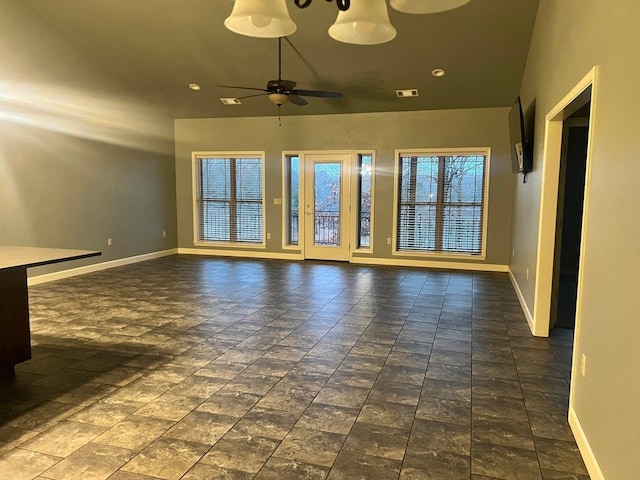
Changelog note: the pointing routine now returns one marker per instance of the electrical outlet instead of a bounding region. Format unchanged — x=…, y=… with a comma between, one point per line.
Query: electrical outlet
x=164, y=234
x=513, y=252
x=109, y=242
x=389, y=241
x=583, y=366
x=268, y=236
x=527, y=274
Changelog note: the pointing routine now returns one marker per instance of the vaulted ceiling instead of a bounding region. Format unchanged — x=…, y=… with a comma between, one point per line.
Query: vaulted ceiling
x=151, y=50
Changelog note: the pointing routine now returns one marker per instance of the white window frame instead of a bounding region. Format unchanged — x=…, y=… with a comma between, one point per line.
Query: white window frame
x=486, y=151
x=355, y=201
x=195, y=156
x=285, y=199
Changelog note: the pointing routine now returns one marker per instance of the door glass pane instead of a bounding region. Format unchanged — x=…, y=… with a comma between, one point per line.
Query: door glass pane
x=327, y=204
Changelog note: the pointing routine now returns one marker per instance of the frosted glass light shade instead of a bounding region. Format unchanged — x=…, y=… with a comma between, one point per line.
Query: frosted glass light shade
x=260, y=18
x=426, y=6
x=278, y=98
x=365, y=23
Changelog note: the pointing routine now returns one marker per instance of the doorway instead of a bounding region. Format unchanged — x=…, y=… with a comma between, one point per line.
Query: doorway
x=573, y=164
x=578, y=98
x=326, y=205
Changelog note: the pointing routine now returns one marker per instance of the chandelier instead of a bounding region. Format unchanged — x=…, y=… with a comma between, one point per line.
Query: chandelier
x=360, y=22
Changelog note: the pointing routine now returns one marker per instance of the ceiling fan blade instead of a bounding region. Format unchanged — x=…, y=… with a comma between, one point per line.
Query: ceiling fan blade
x=316, y=93
x=243, y=88
x=296, y=100
x=250, y=96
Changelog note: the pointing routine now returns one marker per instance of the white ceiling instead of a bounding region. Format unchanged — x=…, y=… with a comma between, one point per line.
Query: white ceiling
x=150, y=50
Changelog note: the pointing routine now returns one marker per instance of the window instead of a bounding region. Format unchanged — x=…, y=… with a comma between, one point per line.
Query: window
x=440, y=202
x=229, y=199
x=292, y=196
x=363, y=225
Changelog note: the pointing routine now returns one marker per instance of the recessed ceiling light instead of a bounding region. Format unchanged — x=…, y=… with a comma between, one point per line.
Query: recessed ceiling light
x=410, y=92
x=438, y=72
x=194, y=86
x=230, y=101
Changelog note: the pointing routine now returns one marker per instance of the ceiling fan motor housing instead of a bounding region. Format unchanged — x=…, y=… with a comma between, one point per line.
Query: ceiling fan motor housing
x=280, y=86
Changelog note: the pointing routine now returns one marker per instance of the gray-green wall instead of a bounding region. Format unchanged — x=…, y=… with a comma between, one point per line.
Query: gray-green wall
x=78, y=163
x=570, y=37
x=383, y=132
x=59, y=190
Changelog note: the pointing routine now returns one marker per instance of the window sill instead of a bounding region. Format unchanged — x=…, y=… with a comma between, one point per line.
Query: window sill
x=438, y=255
x=230, y=245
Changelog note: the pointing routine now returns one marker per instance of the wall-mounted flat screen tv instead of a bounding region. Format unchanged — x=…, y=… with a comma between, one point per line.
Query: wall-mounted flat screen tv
x=521, y=155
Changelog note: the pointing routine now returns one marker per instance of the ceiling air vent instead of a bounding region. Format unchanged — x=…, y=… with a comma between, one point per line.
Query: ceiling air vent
x=411, y=92
x=230, y=101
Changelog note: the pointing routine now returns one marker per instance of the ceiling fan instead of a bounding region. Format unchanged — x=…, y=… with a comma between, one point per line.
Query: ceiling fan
x=283, y=91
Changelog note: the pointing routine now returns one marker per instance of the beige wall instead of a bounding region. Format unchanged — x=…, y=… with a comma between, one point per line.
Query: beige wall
x=383, y=132
x=570, y=37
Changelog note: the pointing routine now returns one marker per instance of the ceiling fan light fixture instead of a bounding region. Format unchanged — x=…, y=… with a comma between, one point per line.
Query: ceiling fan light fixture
x=426, y=6
x=260, y=18
x=278, y=98
x=365, y=23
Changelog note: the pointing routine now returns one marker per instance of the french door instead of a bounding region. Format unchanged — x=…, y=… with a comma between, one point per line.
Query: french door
x=326, y=206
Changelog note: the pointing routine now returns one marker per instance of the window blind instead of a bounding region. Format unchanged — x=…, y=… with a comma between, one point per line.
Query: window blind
x=441, y=203
x=230, y=199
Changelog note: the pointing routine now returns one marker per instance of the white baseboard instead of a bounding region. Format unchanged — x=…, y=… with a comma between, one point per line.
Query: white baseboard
x=523, y=303
x=486, y=267
x=402, y=262
x=589, y=458
x=96, y=267
x=50, y=277
x=240, y=253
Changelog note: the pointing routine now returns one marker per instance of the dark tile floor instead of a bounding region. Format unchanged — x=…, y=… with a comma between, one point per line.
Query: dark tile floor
x=200, y=368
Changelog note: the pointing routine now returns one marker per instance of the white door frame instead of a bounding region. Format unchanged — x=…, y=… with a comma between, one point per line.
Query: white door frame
x=306, y=157
x=549, y=203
